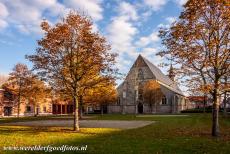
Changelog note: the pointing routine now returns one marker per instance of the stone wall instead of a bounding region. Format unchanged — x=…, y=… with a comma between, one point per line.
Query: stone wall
x=114, y=109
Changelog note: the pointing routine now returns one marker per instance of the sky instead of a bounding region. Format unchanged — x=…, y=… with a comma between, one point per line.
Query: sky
x=130, y=26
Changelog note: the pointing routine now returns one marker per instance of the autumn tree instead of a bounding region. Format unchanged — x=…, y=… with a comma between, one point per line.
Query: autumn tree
x=37, y=93
x=68, y=53
x=18, y=82
x=152, y=94
x=3, y=79
x=199, y=44
x=101, y=94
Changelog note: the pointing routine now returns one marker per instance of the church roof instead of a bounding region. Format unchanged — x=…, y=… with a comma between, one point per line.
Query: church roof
x=162, y=78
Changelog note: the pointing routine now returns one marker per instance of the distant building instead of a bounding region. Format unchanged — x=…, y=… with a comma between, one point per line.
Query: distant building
x=9, y=107
x=198, y=101
x=130, y=99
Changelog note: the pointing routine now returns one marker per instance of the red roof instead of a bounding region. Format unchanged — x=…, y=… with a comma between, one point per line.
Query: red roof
x=197, y=98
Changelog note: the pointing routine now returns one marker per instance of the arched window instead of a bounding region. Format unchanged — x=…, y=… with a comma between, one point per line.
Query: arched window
x=164, y=100
x=140, y=75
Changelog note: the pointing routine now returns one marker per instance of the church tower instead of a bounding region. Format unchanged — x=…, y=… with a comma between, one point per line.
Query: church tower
x=171, y=73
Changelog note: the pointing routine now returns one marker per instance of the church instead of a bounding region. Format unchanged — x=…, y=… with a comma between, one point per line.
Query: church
x=130, y=93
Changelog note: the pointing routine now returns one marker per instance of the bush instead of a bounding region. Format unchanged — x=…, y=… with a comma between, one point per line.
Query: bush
x=196, y=110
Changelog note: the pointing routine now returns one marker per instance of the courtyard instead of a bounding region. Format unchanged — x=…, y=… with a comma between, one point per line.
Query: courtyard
x=188, y=133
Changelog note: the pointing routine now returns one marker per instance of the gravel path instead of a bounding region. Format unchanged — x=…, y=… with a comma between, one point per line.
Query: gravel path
x=84, y=123
x=164, y=115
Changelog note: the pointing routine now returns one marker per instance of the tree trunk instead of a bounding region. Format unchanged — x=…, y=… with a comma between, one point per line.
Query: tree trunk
x=102, y=110
x=81, y=107
x=76, y=116
x=205, y=102
x=35, y=110
x=225, y=102
x=19, y=102
x=215, y=113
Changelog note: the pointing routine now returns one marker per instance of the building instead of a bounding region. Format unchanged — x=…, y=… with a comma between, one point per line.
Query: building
x=200, y=101
x=9, y=106
x=62, y=107
x=130, y=99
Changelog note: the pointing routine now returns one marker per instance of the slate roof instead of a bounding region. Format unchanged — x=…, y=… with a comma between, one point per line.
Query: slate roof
x=164, y=79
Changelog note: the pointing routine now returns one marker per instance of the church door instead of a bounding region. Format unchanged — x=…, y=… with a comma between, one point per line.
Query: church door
x=140, y=108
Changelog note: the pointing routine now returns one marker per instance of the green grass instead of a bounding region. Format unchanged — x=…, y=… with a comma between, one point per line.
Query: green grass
x=187, y=134
x=32, y=118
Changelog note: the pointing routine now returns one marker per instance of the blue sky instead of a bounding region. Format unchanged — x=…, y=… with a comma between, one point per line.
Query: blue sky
x=131, y=26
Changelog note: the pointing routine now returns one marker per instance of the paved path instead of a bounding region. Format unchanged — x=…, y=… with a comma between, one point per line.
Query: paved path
x=164, y=115
x=83, y=123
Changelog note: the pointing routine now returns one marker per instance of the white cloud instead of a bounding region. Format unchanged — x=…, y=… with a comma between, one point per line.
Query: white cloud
x=3, y=11
x=155, y=4
x=91, y=7
x=170, y=20
x=150, y=54
x=58, y=9
x=3, y=24
x=3, y=14
x=180, y=2
x=26, y=15
x=168, y=23
x=146, y=40
x=126, y=9
x=121, y=33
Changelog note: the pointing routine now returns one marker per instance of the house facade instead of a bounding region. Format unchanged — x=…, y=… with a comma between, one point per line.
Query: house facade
x=130, y=92
x=9, y=105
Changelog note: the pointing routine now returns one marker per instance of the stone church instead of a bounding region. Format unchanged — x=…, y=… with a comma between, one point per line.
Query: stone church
x=130, y=95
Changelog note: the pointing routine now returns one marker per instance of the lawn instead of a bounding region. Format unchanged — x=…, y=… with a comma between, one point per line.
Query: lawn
x=185, y=134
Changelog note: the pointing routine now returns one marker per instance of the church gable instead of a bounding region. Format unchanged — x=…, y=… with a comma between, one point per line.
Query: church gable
x=143, y=70
x=140, y=62
x=140, y=70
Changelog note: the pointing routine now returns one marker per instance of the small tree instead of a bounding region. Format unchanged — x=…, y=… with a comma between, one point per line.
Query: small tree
x=69, y=53
x=152, y=94
x=37, y=92
x=18, y=82
x=102, y=94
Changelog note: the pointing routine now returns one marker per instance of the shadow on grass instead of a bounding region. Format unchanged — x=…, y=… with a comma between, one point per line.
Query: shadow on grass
x=168, y=135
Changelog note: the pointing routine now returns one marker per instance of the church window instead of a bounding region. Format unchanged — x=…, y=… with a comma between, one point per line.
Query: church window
x=124, y=94
x=164, y=100
x=140, y=75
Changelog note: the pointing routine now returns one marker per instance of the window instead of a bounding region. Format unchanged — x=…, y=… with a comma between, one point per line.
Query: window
x=140, y=75
x=124, y=94
x=28, y=109
x=90, y=109
x=164, y=100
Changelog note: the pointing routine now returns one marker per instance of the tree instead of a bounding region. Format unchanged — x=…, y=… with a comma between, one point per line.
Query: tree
x=225, y=92
x=37, y=92
x=199, y=43
x=69, y=53
x=102, y=94
x=152, y=93
x=18, y=82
